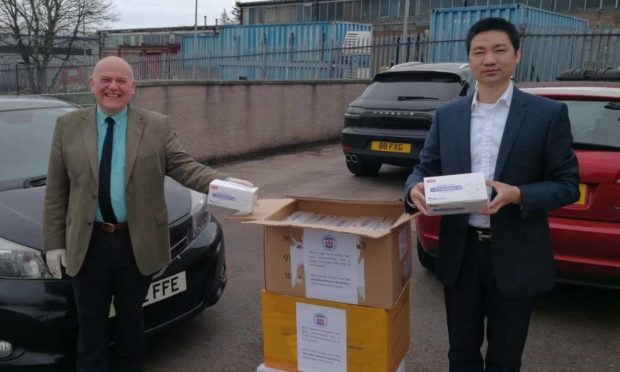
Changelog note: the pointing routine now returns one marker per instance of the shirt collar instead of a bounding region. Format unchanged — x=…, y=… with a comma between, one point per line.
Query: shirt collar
x=506, y=97
x=118, y=118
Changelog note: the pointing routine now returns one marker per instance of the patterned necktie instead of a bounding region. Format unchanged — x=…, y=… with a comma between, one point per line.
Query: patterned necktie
x=105, y=168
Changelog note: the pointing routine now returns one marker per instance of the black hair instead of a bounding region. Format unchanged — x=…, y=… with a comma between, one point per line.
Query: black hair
x=494, y=24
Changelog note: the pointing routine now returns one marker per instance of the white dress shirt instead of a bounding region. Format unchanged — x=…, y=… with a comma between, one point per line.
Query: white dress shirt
x=487, y=128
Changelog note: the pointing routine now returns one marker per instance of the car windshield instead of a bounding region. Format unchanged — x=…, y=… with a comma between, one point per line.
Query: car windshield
x=401, y=86
x=595, y=123
x=25, y=140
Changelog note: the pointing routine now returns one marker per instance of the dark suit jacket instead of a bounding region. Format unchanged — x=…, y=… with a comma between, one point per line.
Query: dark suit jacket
x=153, y=151
x=536, y=155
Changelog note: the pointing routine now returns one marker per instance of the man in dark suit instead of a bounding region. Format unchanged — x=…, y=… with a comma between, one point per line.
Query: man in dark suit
x=494, y=263
x=105, y=215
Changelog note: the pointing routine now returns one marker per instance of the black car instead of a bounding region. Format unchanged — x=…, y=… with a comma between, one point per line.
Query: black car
x=388, y=123
x=38, y=325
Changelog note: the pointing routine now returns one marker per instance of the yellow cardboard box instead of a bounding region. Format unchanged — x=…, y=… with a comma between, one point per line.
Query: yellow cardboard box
x=376, y=339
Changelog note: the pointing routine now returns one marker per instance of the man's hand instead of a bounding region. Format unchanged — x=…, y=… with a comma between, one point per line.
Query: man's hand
x=417, y=197
x=505, y=194
x=55, y=258
x=239, y=181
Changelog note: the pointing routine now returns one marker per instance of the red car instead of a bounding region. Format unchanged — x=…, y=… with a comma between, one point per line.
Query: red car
x=586, y=234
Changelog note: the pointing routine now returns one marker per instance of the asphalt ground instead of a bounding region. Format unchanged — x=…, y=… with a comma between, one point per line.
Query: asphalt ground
x=572, y=329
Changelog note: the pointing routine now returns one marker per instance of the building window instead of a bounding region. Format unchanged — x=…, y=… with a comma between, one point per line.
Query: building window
x=424, y=9
x=593, y=4
x=339, y=11
x=562, y=6
x=269, y=15
x=331, y=12
x=245, y=15
x=385, y=8
x=299, y=13
x=495, y=2
x=394, y=8
x=436, y=4
x=364, y=9
x=355, y=11
x=323, y=12
x=308, y=13
x=577, y=5
x=608, y=4
x=546, y=4
x=413, y=7
x=347, y=12
x=374, y=8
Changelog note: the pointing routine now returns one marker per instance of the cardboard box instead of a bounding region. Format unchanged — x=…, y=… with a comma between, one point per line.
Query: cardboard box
x=232, y=196
x=263, y=368
x=455, y=194
x=376, y=339
x=344, y=264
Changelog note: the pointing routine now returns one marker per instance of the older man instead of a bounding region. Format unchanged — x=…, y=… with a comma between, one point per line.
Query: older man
x=105, y=215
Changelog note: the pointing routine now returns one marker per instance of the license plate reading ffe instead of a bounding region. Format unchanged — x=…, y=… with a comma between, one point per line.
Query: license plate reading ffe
x=165, y=288
x=404, y=148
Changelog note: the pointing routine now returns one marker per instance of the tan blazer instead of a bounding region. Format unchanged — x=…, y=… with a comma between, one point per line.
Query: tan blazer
x=153, y=151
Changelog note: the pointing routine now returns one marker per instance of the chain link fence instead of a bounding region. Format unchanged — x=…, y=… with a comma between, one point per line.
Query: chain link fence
x=545, y=55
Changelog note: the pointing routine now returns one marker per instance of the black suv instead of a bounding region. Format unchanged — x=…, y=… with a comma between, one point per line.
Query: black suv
x=388, y=123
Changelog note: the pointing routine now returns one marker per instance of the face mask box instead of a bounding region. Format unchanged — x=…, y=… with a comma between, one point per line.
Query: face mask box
x=232, y=196
x=455, y=194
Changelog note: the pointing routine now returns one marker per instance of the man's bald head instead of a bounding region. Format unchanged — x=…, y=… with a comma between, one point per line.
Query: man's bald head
x=113, y=85
x=114, y=61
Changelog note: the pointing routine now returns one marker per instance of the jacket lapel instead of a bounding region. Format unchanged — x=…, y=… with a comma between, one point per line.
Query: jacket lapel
x=135, y=128
x=513, y=124
x=89, y=135
x=463, y=129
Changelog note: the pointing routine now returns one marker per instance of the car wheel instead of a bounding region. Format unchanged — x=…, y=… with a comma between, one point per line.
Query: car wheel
x=363, y=167
x=426, y=260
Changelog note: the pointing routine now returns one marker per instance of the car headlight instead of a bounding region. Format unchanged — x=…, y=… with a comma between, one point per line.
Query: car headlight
x=199, y=212
x=354, y=112
x=21, y=262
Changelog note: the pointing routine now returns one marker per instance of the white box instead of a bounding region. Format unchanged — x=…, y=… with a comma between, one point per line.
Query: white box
x=232, y=196
x=455, y=194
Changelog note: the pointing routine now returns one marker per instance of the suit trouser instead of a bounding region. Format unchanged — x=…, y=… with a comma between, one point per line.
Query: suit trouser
x=474, y=297
x=109, y=271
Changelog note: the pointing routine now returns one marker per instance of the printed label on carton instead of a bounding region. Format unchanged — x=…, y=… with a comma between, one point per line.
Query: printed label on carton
x=330, y=265
x=321, y=338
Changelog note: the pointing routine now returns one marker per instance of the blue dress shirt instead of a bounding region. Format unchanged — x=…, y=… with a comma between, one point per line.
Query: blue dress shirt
x=117, y=176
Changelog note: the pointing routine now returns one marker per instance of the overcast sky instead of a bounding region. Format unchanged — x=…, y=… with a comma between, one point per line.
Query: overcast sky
x=166, y=13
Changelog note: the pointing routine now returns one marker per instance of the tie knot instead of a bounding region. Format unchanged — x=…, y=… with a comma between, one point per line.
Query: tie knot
x=109, y=120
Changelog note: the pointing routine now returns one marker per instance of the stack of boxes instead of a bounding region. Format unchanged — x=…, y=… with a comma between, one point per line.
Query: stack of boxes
x=336, y=294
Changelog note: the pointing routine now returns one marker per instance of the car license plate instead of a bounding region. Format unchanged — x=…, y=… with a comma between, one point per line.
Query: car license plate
x=165, y=288
x=583, y=192
x=160, y=290
x=404, y=148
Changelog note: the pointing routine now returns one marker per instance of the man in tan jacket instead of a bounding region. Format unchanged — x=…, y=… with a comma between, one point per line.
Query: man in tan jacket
x=105, y=215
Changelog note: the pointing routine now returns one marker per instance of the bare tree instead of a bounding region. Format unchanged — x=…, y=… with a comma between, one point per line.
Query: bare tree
x=224, y=18
x=237, y=14
x=50, y=30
